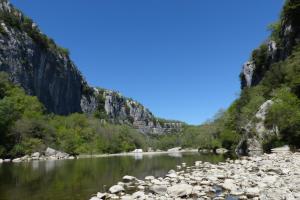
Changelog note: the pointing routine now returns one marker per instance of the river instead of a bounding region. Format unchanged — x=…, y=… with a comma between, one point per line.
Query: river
x=79, y=179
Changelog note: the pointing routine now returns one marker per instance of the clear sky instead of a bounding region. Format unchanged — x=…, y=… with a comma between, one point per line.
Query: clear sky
x=180, y=58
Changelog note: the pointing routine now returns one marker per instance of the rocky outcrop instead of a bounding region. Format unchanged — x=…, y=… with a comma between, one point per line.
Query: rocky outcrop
x=45, y=73
x=255, y=132
x=277, y=50
x=248, y=70
x=45, y=70
x=290, y=28
x=123, y=110
x=281, y=44
x=48, y=154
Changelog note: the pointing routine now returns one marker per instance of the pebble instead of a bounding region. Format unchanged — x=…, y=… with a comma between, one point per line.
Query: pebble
x=267, y=177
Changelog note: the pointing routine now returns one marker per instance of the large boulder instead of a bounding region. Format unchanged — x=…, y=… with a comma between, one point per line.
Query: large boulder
x=116, y=189
x=17, y=160
x=138, y=151
x=35, y=155
x=255, y=132
x=50, y=152
x=283, y=149
x=158, y=189
x=128, y=179
x=54, y=154
x=180, y=190
x=176, y=149
x=229, y=184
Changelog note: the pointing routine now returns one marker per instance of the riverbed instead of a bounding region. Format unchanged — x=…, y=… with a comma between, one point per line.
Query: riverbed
x=81, y=178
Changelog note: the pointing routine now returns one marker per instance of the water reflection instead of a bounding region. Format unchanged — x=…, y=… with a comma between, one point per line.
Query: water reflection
x=175, y=154
x=138, y=156
x=79, y=179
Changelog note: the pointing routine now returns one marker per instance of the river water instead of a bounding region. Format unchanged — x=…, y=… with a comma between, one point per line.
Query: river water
x=79, y=179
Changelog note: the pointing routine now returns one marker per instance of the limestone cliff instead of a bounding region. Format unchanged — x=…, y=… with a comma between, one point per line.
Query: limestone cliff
x=255, y=132
x=278, y=48
x=45, y=70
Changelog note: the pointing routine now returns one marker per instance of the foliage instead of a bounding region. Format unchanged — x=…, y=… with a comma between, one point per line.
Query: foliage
x=100, y=111
x=261, y=60
x=18, y=20
x=285, y=113
x=291, y=11
x=275, y=29
x=272, y=142
x=25, y=128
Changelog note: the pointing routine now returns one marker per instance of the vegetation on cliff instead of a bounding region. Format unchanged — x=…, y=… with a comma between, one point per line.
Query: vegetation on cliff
x=25, y=126
x=19, y=21
x=276, y=77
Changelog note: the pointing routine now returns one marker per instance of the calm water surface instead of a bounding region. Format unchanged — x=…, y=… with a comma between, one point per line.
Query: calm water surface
x=79, y=179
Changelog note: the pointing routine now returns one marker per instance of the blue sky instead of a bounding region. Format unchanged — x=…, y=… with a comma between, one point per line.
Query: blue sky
x=180, y=58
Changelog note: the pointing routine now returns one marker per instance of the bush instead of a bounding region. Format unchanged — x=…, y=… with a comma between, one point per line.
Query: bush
x=272, y=142
x=229, y=139
x=275, y=30
x=285, y=113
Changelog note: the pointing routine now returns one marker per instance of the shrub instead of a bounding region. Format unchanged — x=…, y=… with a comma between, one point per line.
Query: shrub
x=285, y=113
x=275, y=29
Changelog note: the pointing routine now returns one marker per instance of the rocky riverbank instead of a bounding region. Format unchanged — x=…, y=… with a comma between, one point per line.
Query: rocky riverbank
x=171, y=153
x=268, y=177
x=48, y=154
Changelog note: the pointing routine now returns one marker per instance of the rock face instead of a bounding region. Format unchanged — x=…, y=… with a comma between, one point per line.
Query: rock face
x=289, y=37
x=47, y=74
x=285, y=38
x=45, y=70
x=123, y=110
x=255, y=132
x=248, y=70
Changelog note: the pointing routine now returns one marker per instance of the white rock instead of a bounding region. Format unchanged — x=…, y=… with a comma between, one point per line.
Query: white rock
x=156, y=182
x=50, y=152
x=7, y=160
x=95, y=198
x=116, y=189
x=283, y=149
x=138, y=151
x=221, y=151
x=139, y=195
x=101, y=195
x=36, y=154
x=17, y=160
x=158, y=189
x=127, y=178
x=176, y=149
x=140, y=187
x=180, y=190
x=198, y=163
x=229, y=184
x=172, y=175
x=252, y=192
x=248, y=70
x=149, y=178
x=269, y=180
x=126, y=197
x=1, y=160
